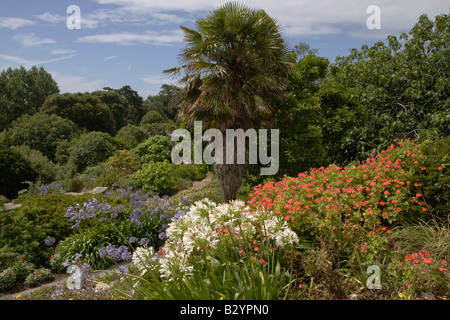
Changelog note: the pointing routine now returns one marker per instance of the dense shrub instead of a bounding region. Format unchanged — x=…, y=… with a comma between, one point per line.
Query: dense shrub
x=42, y=132
x=121, y=164
x=351, y=211
x=152, y=116
x=90, y=149
x=98, y=225
x=15, y=170
x=191, y=172
x=23, y=234
x=132, y=135
x=38, y=276
x=157, y=177
x=211, y=191
x=431, y=172
x=46, y=170
x=155, y=149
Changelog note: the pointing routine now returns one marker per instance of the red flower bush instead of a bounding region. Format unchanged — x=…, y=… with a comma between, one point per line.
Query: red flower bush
x=351, y=208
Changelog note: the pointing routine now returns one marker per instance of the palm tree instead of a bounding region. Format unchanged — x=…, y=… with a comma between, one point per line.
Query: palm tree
x=233, y=69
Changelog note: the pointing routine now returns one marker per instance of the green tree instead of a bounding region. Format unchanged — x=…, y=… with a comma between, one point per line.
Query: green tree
x=42, y=132
x=23, y=92
x=118, y=105
x=301, y=131
x=235, y=67
x=15, y=170
x=399, y=89
x=151, y=117
x=132, y=135
x=135, y=101
x=164, y=102
x=84, y=109
x=90, y=149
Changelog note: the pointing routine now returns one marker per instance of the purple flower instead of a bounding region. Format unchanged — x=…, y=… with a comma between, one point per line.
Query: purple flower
x=132, y=239
x=135, y=217
x=145, y=241
x=117, y=253
x=162, y=236
x=49, y=241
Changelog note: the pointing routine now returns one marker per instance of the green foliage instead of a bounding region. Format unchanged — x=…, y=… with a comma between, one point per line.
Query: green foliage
x=15, y=171
x=7, y=279
x=38, y=276
x=50, y=209
x=42, y=132
x=132, y=135
x=15, y=274
x=90, y=149
x=431, y=172
x=23, y=92
x=22, y=233
x=84, y=109
x=135, y=111
x=301, y=134
x=121, y=164
x=45, y=169
x=192, y=172
x=164, y=102
x=118, y=105
x=432, y=234
x=151, y=117
x=378, y=93
x=155, y=149
x=157, y=177
x=210, y=191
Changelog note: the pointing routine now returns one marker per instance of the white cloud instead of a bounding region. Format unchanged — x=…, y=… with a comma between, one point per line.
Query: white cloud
x=304, y=17
x=14, y=59
x=74, y=84
x=29, y=63
x=89, y=21
x=62, y=51
x=31, y=40
x=163, y=38
x=52, y=18
x=14, y=23
x=110, y=58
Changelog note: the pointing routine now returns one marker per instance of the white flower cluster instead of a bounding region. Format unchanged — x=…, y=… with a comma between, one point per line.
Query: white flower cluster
x=144, y=259
x=202, y=227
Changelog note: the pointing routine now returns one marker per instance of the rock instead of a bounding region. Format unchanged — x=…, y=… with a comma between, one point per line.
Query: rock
x=428, y=296
x=11, y=206
x=74, y=193
x=356, y=296
x=98, y=190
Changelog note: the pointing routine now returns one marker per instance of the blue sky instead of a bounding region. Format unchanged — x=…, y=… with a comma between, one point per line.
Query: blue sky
x=130, y=42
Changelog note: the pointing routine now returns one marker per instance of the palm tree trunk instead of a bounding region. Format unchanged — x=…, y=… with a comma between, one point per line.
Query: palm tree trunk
x=230, y=179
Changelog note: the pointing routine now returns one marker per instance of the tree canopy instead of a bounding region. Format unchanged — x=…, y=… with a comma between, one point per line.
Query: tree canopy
x=23, y=91
x=84, y=109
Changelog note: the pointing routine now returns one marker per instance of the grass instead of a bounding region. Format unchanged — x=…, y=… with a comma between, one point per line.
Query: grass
x=434, y=235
